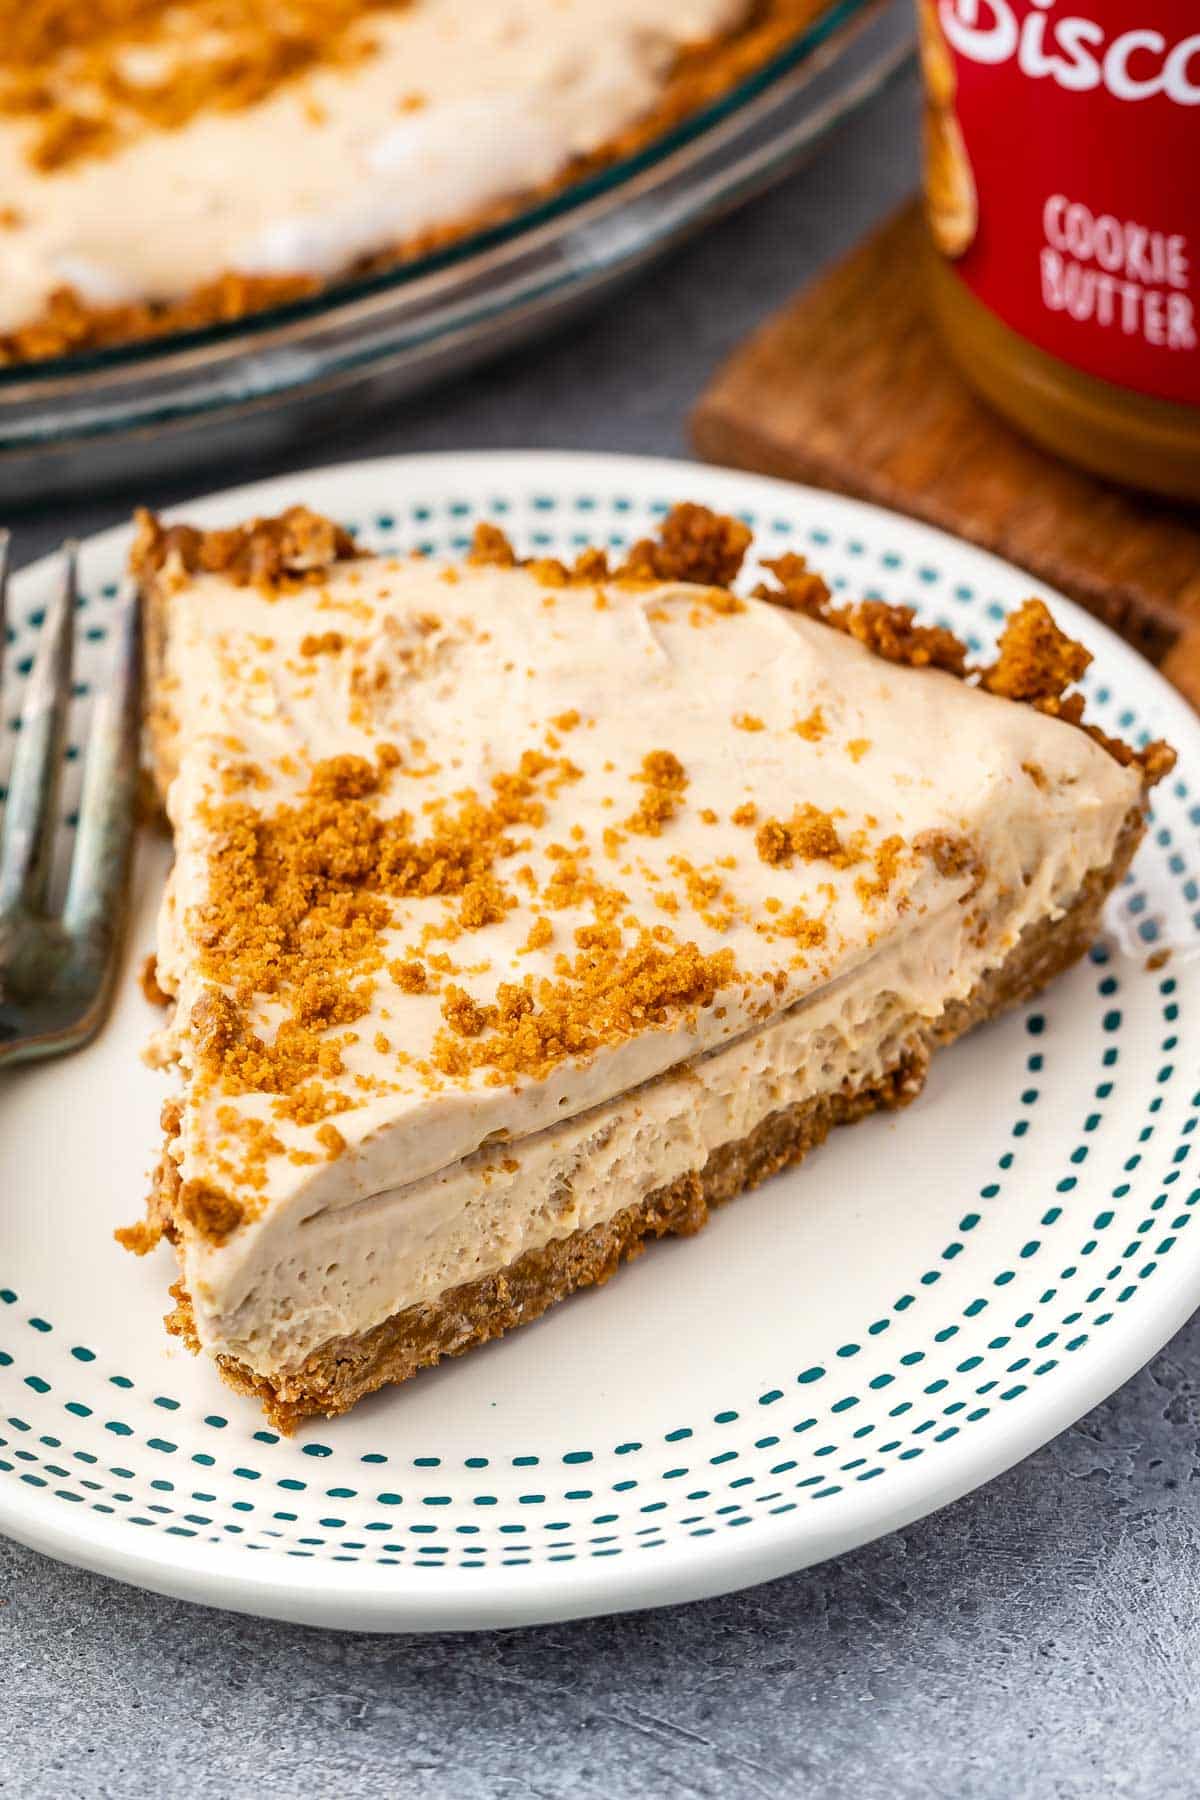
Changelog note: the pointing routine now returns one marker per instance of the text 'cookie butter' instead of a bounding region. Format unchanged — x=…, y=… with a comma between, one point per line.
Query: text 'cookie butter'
x=1062, y=141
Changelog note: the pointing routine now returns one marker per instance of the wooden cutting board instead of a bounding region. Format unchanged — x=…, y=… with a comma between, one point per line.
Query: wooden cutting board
x=848, y=388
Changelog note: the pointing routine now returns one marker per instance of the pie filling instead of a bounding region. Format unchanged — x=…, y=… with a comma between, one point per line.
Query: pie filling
x=210, y=156
x=508, y=895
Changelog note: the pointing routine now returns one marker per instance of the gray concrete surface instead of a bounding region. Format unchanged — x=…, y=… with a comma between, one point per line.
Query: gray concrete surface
x=1038, y=1639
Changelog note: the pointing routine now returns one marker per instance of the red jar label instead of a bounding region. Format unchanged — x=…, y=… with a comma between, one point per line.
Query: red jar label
x=1063, y=176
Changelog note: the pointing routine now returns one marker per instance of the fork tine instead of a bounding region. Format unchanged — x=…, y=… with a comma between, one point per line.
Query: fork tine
x=29, y=827
x=94, y=906
x=5, y=547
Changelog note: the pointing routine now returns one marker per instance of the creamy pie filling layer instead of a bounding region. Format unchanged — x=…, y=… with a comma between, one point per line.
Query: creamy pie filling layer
x=504, y=894
x=123, y=181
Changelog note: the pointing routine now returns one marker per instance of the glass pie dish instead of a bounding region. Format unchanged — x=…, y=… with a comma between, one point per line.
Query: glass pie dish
x=161, y=406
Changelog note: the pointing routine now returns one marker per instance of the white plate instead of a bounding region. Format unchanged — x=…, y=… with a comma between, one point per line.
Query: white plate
x=926, y=1300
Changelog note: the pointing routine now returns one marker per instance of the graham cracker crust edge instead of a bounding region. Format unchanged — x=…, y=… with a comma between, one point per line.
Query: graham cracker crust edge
x=334, y=1378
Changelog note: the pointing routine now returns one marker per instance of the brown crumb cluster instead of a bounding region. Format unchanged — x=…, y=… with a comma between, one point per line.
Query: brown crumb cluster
x=693, y=544
x=798, y=925
x=239, y=1060
x=799, y=588
x=296, y=547
x=484, y=902
x=324, y=643
x=891, y=632
x=541, y=934
x=209, y=1211
x=886, y=860
x=1036, y=661
x=601, y=996
x=952, y=855
x=409, y=977
x=330, y=1140
x=149, y=983
x=665, y=781
x=490, y=548
x=809, y=834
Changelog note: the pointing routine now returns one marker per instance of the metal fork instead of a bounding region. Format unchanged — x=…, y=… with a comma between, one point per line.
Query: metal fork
x=56, y=970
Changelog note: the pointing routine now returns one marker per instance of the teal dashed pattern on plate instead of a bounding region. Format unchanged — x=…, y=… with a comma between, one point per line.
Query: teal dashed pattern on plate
x=1022, y=1217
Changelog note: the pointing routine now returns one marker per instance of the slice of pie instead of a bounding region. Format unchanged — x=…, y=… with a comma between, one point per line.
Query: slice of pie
x=164, y=167
x=521, y=914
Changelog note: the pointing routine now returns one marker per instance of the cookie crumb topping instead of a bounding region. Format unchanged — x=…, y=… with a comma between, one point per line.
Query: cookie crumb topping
x=273, y=554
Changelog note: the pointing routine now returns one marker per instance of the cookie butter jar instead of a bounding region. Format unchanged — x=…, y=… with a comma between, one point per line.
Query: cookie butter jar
x=1062, y=184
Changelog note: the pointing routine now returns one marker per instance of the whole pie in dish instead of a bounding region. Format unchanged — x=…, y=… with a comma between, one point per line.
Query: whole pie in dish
x=522, y=914
x=169, y=166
